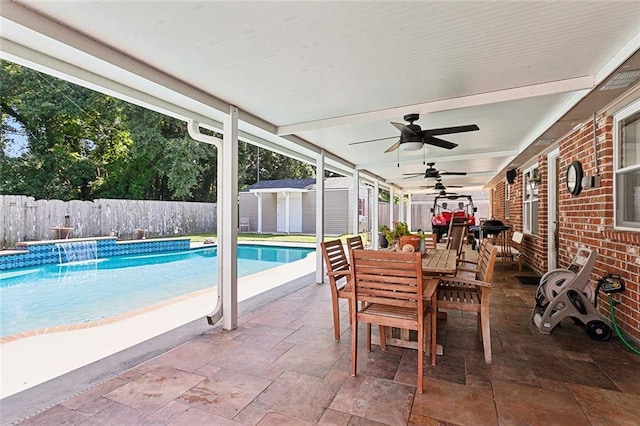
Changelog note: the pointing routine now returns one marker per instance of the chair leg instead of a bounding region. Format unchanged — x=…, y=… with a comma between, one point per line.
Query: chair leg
x=368, y=337
x=486, y=333
x=336, y=317
x=434, y=321
x=383, y=337
x=354, y=343
x=420, y=356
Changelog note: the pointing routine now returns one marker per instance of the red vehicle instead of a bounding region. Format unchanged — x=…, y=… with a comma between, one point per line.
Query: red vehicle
x=446, y=207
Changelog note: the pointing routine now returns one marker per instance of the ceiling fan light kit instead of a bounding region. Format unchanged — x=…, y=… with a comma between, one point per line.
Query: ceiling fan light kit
x=411, y=146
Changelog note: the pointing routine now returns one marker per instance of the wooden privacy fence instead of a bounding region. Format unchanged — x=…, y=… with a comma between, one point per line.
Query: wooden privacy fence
x=24, y=218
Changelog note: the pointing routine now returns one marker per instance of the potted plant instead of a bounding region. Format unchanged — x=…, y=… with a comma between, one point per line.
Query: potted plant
x=400, y=229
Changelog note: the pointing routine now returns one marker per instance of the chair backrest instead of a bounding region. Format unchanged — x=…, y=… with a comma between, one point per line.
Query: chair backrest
x=430, y=241
x=517, y=237
x=387, y=277
x=335, y=259
x=457, y=235
x=355, y=242
x=486, y=261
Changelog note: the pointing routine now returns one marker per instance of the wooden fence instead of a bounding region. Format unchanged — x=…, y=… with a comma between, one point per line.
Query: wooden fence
x=24, y=218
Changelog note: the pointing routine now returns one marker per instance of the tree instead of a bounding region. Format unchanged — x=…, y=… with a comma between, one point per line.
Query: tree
x=63, y=130
x=60, y=140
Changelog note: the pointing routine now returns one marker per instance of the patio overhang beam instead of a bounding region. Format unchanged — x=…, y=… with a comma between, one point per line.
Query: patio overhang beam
x=524, y=92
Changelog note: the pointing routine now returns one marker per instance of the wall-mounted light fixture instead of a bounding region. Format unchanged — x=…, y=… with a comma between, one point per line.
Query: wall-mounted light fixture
x=535, y=179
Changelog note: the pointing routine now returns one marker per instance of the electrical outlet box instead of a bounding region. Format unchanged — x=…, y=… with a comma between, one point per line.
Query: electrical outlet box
x=591, y=181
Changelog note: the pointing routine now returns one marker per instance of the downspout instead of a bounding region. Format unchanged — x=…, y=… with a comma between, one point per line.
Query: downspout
x=193, y=127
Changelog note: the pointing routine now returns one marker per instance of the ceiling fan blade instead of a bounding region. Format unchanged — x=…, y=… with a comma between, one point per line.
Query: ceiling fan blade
x=412, y=175
x=453, y=173
x=404, y=128
x=393, y=147
x=455, y=186
x=373, y=140
x=439, y=142
x=450, y=130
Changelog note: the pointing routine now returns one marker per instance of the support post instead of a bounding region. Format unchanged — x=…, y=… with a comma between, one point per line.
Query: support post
x=229, y=237
x=376, y=217
x=356, y=202
x=392, y=195
x=319, y=216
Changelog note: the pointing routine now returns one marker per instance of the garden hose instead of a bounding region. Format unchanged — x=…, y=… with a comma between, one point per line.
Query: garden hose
x=615, y=326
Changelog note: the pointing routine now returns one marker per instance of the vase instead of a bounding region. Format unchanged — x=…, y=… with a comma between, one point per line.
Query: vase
x=414, y=240
x=382, y=240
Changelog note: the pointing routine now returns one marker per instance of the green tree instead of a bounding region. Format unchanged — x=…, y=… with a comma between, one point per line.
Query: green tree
x=60, y=140
x=63, y=131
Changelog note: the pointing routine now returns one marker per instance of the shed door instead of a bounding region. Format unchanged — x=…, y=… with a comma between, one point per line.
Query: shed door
x=292, y=217
x=295, y=210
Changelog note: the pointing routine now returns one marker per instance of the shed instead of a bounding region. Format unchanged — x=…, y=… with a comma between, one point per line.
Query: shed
x=289, y=206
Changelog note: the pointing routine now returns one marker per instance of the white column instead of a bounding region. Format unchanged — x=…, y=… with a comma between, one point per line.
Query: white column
x=259, y=195
x=392, y=195
x=319, y=216
x=287, y=206
x=228, y=239
x=409, y=218
x=401, y=207
x=356, y=202
x=375, y=221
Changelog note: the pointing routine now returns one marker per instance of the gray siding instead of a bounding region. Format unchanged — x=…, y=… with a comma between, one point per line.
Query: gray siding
x=249, y=208
x=336, y=218
x=269, y=212
x=309, y=212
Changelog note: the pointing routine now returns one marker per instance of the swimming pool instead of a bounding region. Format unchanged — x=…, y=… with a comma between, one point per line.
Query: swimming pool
x=53, y=295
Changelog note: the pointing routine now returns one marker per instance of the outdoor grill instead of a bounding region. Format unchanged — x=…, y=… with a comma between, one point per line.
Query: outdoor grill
x=488, y=228
x=492, y=227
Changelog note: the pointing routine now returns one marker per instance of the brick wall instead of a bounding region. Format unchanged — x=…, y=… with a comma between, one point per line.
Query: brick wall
x=585, y=220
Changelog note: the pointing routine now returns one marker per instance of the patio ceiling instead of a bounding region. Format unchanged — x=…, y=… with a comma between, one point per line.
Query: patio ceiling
x=322, y=75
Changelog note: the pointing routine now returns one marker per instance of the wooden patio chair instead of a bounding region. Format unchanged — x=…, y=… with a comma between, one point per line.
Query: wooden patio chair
x=430, y=241
x=338, y=271
x=512, y=249
x=472, y=295
x=457, y=236
x=355, y=242
x=389, y=286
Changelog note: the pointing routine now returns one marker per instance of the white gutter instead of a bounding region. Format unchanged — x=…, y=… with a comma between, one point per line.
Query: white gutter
x=193, y=127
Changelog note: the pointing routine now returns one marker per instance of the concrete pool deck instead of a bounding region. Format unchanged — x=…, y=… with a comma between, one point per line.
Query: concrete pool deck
x=33, y=360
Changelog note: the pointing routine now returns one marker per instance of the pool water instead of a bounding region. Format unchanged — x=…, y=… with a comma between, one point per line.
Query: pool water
x=52, y=295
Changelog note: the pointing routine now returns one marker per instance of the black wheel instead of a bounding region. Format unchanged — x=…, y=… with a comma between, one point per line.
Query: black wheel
x=598, y=330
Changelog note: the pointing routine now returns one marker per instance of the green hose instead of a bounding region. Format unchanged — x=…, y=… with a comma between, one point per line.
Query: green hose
x=615, y=326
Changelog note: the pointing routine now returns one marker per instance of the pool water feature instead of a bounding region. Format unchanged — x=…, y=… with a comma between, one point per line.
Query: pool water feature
x=53, y=295
x=79, y=251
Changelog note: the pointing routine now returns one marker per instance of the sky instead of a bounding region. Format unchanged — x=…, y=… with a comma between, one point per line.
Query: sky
x=19, y=141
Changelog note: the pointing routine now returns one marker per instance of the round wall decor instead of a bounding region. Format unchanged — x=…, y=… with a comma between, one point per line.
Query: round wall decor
x=574, y=177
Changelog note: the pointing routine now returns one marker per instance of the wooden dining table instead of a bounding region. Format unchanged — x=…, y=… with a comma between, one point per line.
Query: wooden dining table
x=439, y=262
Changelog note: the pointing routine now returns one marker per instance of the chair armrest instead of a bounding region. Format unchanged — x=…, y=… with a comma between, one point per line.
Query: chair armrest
x=465, y=281
x=430, y=287
x=471, y=262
